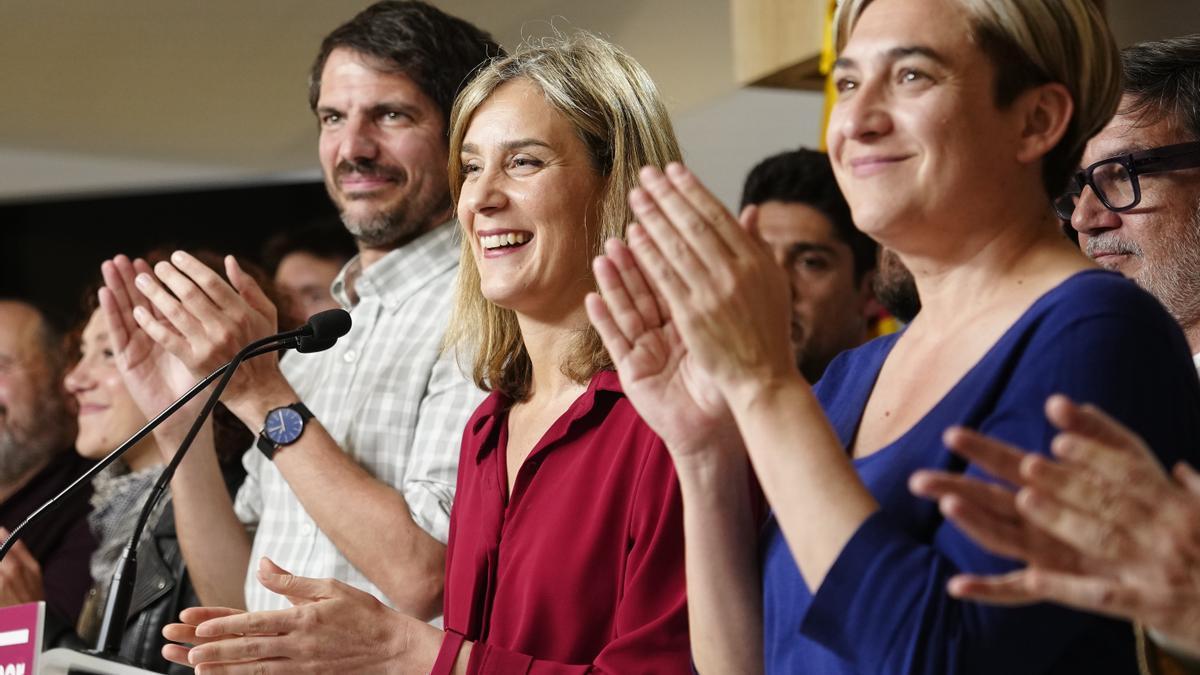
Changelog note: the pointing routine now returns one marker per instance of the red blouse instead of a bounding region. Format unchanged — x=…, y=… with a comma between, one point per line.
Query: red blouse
x=581, y=569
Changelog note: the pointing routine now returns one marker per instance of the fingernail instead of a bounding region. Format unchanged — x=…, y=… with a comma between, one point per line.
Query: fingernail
x=177, y=257
x=142, y=280
x=1030, y=500
x=1062, y=447
x=140, y=313
x=675, y=170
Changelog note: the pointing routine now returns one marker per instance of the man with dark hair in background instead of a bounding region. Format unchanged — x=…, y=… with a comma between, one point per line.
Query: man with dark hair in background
x=359, y=443
x=37, y=431
x=804, y=218
x=303, y=264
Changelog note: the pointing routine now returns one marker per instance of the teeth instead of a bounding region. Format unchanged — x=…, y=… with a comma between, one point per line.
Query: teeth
x=501, y=240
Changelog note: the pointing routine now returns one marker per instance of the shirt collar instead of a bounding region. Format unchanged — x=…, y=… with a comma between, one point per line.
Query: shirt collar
x=402, y=272
x=496, y=405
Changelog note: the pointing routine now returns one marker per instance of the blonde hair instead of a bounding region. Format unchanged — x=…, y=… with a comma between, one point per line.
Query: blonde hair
x=1032, y=42
x=615, y=108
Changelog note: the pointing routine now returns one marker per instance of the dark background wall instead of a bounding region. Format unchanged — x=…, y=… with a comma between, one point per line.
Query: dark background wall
x=51, y=251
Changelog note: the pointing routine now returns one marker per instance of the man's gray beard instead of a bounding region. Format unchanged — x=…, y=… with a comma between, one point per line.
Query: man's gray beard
x=1175, y=278
x=383, y=229
x=22, y=449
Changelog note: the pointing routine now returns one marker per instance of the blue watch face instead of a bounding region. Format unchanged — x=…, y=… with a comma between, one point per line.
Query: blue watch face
x=284, y=426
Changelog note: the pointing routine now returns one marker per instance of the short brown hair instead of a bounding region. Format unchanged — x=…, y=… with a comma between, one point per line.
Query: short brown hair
x=1032, y=42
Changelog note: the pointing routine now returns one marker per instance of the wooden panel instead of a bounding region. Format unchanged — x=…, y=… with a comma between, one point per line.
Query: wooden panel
x=777, y=43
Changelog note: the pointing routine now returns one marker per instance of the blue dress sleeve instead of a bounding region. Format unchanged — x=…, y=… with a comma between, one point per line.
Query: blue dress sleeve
x=883, y=604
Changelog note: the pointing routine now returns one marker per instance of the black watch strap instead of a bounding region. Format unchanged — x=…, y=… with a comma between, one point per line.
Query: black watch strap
x=266, y=445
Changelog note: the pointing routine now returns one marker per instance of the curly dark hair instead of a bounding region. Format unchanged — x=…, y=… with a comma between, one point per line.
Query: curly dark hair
x=437, y=51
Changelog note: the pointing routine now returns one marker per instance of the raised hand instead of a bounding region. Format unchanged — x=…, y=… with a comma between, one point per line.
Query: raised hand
x=1104, y=529
x=153, y=376
x=676, y=399
x=728, y=298
x=203, y=321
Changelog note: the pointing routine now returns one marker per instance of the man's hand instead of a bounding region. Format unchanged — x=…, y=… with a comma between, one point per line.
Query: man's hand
x=20, y=576
x=331, y=628
x=1104, y=529
x=204, y=321
x=153, y=377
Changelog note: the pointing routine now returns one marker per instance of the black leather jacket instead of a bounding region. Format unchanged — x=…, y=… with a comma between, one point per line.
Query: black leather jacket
x=161, y=592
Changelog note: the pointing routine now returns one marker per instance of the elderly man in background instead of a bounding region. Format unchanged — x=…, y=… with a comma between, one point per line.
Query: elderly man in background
x=1106, y=528
x=36, y=462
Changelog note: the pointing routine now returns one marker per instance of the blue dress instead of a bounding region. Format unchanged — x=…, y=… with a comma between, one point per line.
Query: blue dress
x=883, y=607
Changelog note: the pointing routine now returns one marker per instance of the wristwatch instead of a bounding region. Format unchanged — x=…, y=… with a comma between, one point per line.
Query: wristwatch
x=283, y=426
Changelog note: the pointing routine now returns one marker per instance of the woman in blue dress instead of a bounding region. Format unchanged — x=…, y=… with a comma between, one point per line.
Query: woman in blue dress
x=955, y=122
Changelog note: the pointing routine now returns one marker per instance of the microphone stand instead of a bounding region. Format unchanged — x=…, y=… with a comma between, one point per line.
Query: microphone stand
x=87, y=476
x=116, y=609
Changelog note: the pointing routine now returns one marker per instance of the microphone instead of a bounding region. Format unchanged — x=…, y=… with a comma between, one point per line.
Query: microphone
x=327, y=324
x=320, y=332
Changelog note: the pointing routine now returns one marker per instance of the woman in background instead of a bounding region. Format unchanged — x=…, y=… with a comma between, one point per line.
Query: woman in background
x=108, y=414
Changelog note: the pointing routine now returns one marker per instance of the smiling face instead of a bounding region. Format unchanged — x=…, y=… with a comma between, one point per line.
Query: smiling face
x=528, y=204
x=107, y=414
x=1156, y=243
x=915, y=136
x=382, y=149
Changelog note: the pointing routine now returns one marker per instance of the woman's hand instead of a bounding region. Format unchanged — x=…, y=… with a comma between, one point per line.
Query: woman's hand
x=662, y=381
x=331, y=628
x=726, y=295
x=203, y=321
x=1104, y=529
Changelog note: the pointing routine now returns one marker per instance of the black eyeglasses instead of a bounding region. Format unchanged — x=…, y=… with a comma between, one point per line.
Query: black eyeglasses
x=1115, y=180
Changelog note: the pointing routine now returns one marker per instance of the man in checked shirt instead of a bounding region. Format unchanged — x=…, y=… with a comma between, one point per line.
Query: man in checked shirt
x=362, y=492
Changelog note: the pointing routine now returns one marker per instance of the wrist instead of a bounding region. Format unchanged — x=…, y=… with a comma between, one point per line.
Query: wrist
x=252, y=405
x=764, y=391
x=709, y=472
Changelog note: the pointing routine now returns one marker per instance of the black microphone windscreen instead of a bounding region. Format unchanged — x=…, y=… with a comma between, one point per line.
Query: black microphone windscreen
x=329, y=325
x=310, y=345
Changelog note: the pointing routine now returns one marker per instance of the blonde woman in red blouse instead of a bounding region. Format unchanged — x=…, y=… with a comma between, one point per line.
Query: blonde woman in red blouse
x=566, y=538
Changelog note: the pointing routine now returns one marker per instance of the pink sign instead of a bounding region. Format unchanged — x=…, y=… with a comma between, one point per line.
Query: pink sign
x=20, y=638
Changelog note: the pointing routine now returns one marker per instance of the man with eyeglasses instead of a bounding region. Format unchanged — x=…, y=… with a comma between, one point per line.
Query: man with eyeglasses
x=1136, y=205
x=1106, y=528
